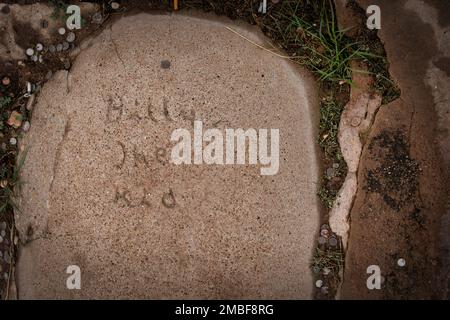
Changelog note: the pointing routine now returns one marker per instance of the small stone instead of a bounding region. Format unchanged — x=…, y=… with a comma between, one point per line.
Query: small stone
x=62, y=31
x=26, y=126
x=30, y=102
x=335, y=165
x=15, y=119
x=324, y=233
x=97, y=18
x=65, y=45
x=6, y=81
x=330, y=173
x=13, y=141
x=70, y=37
x=326, y=271
x=333, y=242
x=324, y=290
x=165, y=64
x=3, y=233
x=5, y=276
x=51, y=48
x=322, y=240
x=168, y=200
x=39, y=47
x=356, y=121
x=16, y=240
x=29, y=52
x=324, y=226
x=115, y=5
x=316, y=269
x=67, y=65
x=34, y=58
x=59, y=47
x=319, y=283
x=401, y=262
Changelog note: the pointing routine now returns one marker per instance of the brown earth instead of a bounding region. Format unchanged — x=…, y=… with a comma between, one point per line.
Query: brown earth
x=402, y=179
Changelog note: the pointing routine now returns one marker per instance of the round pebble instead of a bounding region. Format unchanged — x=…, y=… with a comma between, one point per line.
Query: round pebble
x=401, y=262
x=26, y=126
x=70, y=37
x=51, y=48
x=61, y=31
x=326, y=271
x=97, y=18
x=330, y=172
x=34, y=58
x=13, y=141
x=333, y=242
x=324, y=233
x=335, y=165
x=59, y=47
x=65, y=45
x=319, y=283
x=322, y=240
x=115, y=5
x=39, y=47
x=3, y=233
x=324, y=290
x=29, y=52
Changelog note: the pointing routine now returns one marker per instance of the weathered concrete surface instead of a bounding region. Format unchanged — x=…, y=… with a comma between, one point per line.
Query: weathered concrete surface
x=405, y=220
x=97, y=170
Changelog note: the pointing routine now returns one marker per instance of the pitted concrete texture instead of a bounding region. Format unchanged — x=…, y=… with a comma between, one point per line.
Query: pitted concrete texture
x=99, y=191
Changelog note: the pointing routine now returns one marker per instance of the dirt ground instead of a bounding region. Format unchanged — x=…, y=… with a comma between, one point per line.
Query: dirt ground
x=403, y=182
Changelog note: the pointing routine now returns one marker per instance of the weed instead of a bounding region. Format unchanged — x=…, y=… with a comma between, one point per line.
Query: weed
x=4, y=102
x=328, y=259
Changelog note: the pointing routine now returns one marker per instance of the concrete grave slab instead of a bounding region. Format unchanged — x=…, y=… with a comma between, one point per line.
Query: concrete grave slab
x=100, y=192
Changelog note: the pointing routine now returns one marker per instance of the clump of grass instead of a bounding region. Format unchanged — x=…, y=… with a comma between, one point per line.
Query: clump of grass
x=330, y=116
x=317, y=41
x=328, y=259
x=4, y=102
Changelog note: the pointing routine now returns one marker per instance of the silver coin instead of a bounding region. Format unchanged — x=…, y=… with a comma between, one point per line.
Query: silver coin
x=70, y=37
